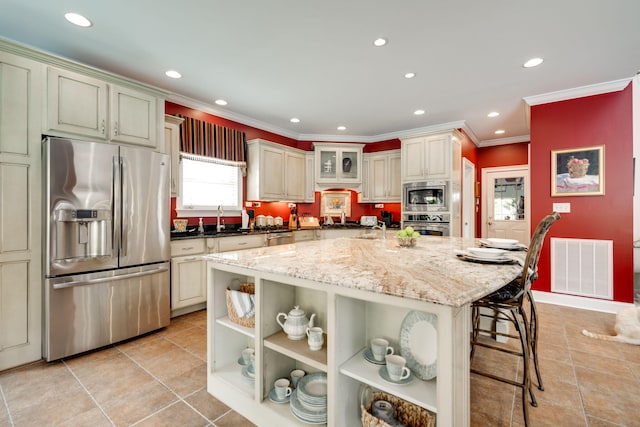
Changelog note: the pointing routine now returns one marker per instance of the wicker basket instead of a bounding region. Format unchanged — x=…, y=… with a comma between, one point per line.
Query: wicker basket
x=248, y=322
x=407, y=413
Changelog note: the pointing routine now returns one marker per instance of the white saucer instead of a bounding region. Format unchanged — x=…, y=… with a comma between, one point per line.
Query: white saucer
x=368, y=356
x=248, y=375
x=487, y=253
x=385, y=376
x=274, y=398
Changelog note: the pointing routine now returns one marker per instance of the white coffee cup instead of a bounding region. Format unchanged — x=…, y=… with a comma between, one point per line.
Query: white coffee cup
x=395, y=367
x=248, y=355
x=380, y=348
x=315, y=338
x=282, y=388
x=295, y=375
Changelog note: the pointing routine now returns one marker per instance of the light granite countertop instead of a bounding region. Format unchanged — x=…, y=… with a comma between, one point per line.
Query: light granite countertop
x=430, y=271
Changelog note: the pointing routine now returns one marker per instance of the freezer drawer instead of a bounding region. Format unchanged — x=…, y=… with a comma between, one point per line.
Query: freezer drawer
x=92, y=310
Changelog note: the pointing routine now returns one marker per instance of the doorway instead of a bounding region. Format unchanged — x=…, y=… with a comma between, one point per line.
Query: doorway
x=506, y=203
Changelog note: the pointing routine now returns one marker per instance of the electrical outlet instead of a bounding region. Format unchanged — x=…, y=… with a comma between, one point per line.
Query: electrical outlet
x=379, y=205
x=562, y=207
x=256, y=204
x=291, y=205
x=248, y=204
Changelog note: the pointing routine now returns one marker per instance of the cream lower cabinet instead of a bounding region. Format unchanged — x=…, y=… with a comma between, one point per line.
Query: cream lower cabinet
x=20, y=211
x=188, y=270
x=350, y=319
x=188, y=276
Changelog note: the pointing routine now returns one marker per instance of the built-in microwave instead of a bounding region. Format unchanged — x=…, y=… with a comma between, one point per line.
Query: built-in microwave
x=427, y=196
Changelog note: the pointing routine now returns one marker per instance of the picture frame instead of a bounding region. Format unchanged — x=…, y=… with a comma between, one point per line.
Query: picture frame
x=333, y=202
x=577, y=171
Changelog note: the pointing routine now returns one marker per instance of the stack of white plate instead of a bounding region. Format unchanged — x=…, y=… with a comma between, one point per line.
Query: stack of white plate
x=309, y=400
x=498, y=243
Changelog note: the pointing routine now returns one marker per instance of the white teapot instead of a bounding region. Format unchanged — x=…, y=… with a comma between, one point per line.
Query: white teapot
x=296, y=323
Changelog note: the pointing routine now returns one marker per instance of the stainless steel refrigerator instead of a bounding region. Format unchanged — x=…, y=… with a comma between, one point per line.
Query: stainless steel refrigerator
x=107, y=250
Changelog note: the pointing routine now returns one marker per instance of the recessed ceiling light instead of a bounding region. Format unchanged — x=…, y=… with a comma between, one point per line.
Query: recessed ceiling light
x=173, y=74
x=379, y=42
x=221, y=102
x=418, y=112
x=499, y=132
x=493, y=114
x=409, y=75
x=295, y=120
x=533, y=62
x=342, y=128
x=77, y=19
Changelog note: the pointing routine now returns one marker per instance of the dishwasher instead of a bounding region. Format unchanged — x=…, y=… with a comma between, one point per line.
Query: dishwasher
x=284, y=238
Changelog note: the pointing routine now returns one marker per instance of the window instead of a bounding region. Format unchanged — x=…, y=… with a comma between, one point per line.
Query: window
x=206, y=183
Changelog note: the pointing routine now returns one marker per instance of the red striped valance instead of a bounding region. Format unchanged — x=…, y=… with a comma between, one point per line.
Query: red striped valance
x=206, y=139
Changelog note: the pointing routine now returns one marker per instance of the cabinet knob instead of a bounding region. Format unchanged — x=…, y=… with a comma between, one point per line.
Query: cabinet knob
x=102, y=127
x=115, y=128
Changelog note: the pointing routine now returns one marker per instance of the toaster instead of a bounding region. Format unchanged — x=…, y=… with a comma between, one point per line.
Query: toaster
x=369, y=220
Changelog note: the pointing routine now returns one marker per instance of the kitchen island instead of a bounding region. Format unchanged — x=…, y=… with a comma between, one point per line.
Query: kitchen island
x=358, y=289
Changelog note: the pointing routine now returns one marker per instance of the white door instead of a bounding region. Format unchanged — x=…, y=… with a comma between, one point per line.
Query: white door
x=505, y=207
x=468, y=198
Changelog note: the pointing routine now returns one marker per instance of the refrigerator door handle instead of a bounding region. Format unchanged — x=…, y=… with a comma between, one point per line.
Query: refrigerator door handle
x=124, y=240
x=110, y=278
x=115, y=241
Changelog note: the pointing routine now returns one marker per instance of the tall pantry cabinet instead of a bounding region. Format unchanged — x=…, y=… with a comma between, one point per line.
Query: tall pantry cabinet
x=21, y=92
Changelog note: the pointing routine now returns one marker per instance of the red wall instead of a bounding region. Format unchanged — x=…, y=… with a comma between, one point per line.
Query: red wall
x=595, y=120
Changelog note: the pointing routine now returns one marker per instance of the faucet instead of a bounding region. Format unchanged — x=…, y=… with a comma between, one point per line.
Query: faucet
x=382, y=228
x=219, y=225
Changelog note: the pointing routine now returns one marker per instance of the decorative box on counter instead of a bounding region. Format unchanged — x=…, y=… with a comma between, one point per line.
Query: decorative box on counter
x=307, y=222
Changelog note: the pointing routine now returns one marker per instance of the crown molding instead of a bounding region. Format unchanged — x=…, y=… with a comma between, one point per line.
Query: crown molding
x=578, y=92
x=240, y=118
x=503, y=141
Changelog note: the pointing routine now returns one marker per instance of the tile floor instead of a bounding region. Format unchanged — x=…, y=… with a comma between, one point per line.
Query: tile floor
x=159, y=380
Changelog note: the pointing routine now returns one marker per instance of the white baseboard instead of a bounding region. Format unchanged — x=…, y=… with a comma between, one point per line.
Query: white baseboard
x=593, y=304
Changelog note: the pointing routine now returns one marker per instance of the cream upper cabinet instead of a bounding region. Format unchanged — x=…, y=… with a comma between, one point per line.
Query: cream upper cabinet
x=21, y=93
x=382, y=180
x=132, y=116
x=275, y=172
x=76, y=104
x=89, y=107
x=172, y=147
x=309, y=185
x=338, y=164
x=427, y=157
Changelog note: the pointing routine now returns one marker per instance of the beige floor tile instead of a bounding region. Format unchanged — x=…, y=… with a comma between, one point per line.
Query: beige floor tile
x=596, y=422
x=135, y=404
x=178, y=414
x=207, y=405
x=171, y=364
x=233, y=419
x=114, y=375
x=149, y=348
x=491, y=402
x=93, y=417
x=612, y=366
x=549, y=416
x=188, y=382
x=614, y=400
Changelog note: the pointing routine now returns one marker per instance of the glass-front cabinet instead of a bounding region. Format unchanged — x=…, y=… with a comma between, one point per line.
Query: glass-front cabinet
x=338, y=164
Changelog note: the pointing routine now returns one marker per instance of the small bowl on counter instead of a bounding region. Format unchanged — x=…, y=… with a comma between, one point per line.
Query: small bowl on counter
x=407, y=242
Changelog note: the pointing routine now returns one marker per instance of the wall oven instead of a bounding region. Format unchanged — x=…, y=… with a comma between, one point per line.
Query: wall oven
x=426, y=196
x=428, y=224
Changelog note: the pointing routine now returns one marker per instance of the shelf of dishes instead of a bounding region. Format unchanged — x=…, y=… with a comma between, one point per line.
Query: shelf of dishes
x=288, y=310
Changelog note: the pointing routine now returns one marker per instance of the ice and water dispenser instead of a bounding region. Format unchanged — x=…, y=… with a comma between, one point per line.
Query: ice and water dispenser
x=83, y=233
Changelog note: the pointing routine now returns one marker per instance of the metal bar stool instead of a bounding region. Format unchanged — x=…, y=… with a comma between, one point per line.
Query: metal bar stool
x=507, y=304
